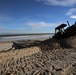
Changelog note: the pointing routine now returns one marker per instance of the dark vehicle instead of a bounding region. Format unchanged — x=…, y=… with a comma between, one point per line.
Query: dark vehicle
x=61, y=33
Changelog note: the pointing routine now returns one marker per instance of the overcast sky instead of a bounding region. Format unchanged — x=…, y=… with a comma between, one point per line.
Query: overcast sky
x=35, y=16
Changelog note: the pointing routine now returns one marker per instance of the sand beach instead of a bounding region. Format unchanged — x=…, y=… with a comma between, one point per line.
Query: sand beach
x=39, y=57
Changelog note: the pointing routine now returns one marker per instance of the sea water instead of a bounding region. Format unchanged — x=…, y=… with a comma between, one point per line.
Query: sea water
x=26, y=37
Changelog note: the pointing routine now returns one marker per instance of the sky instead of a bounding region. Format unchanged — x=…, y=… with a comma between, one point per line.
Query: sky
x=35, y=16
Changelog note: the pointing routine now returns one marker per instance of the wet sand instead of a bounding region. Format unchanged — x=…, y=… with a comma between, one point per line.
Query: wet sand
x=4, y=46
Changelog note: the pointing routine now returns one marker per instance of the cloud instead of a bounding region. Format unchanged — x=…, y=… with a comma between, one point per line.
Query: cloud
x=59, y=2
x=40, y=24
x=71, y=13
x=73, y=16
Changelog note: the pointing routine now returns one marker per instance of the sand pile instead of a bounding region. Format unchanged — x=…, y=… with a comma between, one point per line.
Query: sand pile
x=49, y=44
x=69, y=42
x=52, y=44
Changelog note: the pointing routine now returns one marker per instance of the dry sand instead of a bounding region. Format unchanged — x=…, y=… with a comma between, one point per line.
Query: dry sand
x=56, y=62
x=4, y=46
x=49, y=57
x=18, y=53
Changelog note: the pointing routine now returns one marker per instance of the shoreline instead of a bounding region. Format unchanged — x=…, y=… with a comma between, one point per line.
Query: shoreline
x=9, y=41
x=9, y=35
x=29, y=37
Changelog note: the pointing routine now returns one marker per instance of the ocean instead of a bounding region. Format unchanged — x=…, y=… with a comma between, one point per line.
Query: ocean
x=26, y=37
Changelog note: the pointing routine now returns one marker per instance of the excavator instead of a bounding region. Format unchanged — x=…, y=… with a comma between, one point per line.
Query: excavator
x=61, y=32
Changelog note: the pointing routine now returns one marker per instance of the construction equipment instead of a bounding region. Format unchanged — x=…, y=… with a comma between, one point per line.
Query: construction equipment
x=61, y=33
